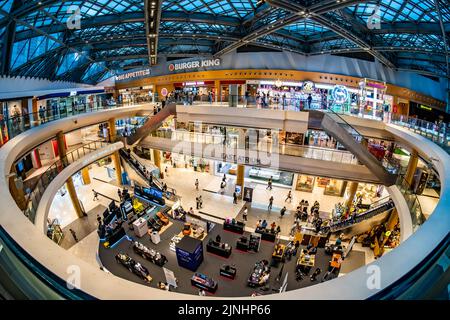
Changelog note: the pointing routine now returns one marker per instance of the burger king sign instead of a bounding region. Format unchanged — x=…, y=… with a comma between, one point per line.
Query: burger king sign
x=195, y=64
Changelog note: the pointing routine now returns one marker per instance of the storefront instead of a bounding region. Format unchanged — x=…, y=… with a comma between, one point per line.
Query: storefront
x=373, y=100
x=136, y=94
x=61, y=104
x=335, y=187
x=185, y=161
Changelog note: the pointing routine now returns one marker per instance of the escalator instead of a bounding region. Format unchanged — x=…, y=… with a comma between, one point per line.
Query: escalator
x=152, y=123
x=357, y=144
x=376, y=214
x=134, y=170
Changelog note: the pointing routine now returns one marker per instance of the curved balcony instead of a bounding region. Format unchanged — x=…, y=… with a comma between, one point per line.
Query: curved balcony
x=23, y=243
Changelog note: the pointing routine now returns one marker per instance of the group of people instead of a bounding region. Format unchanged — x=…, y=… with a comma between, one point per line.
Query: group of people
x=273, y=228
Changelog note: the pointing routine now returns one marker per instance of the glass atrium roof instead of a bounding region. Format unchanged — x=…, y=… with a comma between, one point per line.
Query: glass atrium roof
x=112, y=37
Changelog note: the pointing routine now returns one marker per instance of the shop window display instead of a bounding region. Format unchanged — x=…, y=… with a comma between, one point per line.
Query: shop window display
x=305, y=183
x=335, y=188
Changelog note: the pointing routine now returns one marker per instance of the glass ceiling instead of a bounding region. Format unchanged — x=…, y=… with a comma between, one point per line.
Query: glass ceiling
x=112, y=37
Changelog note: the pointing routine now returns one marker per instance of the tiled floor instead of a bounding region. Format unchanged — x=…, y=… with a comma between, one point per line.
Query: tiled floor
x=62, y=208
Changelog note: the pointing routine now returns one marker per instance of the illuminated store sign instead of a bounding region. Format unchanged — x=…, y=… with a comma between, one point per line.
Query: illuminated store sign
x=340, y=94
x=135, y=74
x=308, y=87
x=194, y=64
x=423, y=107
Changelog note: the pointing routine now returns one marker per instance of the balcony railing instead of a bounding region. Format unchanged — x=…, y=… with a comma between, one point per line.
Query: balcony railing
x=16, y=125
x=36, y=193
x=288, y=149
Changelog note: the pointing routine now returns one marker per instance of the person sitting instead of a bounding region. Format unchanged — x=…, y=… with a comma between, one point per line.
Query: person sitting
x=264, y=279
x=258, y=225
x=272, y=227
x=264, y=224
x=312, y=250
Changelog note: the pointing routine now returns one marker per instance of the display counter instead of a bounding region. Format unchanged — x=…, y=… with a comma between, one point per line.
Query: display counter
x=228, y=272
x=278, y=254
x=305, y=262
x=115, y=237
x=204, y=282
x=266, y=234
x=234, y=226
x=306, y=237
x=260, y=270
x=220, y=249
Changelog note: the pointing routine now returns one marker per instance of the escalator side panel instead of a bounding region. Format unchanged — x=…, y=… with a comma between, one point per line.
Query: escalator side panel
x=363, y=155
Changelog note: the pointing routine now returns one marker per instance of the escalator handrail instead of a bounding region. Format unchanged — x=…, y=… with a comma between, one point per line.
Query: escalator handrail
x=370, y=213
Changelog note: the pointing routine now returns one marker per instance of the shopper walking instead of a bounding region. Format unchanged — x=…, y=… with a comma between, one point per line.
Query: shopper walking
x=289, y=197
x=74, y=235
x=95, y=195
x=191, y=211
x=166, y=170
x=282, y=212
x=119, y=193
x=269, y=184
x=245, y=213
x=196, y=184
x=200, y=201
x=270, y=203
x=197, y=202
x=235, y=199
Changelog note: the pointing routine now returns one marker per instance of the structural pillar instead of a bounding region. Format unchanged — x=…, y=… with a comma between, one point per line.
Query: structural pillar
x=16, y=189
x=233, y=98
x=74, y=197
x=352, y=188
x=157, y=159
x=86, y=178
x=69, y=183
x=218, y=94
x=115, y=156
x=412, y=166
x=240, y=178
x=61, y=142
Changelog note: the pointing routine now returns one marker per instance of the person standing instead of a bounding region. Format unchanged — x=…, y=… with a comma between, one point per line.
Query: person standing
x=119, y=193
x=200, y=201
x=282, y=212
x=235, y=199
x=197, y=201
x=245, y=213
x=269, y=184
x=289, y=197
x=166, y=170
x=95, y=195
x=74, y=235
x=191, y=211
x=270, y=203
x=99, y=220
x=196, y=184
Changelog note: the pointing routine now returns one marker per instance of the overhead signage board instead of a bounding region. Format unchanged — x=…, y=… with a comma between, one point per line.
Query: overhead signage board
x=132, y=75
x=340, y=94
x=195, y=64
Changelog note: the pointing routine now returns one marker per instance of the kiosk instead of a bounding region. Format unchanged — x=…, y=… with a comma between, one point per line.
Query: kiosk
x=189, y=253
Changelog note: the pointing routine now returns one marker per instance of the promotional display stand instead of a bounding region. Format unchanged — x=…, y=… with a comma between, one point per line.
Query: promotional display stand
x=189, y=253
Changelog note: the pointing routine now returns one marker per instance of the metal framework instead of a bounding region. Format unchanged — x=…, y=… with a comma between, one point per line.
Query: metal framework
x=38, y=40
